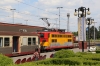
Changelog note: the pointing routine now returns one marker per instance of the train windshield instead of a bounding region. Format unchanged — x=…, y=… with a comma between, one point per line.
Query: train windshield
x=41, y=35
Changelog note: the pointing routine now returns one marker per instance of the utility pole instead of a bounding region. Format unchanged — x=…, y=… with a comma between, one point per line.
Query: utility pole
x=68, y=15
x=94, y=31
x=26, y=21
x=56, y=22
x=13, y=14
x=59, y=15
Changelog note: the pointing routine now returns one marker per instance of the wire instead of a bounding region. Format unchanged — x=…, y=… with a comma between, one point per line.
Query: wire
x=34, y=6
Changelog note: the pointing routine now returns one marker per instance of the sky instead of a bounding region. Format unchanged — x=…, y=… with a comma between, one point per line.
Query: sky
x=30, y=12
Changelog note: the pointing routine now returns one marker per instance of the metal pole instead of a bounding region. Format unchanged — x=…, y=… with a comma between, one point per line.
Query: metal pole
x=13, y=14
x=59, y=18
x=82, y=46
x=68, y=15
x=94, y=33
x=26, y=21
x=59, y=15
x=89, y=34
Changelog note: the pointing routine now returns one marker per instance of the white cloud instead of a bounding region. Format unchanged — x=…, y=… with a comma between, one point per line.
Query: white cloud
x=5, y=2
x=48, y=8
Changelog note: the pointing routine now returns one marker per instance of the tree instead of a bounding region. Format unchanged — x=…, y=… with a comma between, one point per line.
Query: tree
x=75, y=33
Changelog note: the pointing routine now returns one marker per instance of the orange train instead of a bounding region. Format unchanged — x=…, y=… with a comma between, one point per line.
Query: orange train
x=55, y=39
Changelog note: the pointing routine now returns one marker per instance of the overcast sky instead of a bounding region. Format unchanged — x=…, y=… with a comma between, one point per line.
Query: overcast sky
x=30, y=11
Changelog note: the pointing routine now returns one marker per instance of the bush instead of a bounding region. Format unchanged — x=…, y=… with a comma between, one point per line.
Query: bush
x=97, y=51
x=57, y=61
x=64, y=54
x=4, y=61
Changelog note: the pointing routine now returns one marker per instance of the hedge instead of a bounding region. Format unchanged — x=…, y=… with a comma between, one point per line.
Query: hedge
x=4, y=60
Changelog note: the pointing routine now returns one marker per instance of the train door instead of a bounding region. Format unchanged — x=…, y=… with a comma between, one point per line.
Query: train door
x=15, y=43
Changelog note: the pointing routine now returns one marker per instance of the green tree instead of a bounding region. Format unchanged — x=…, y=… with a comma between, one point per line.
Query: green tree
x=75, y=33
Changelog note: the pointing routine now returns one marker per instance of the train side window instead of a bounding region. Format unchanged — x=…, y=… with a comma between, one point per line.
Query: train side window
x=66, y=36
x=60, y=35
x=29, y=41
x=6, y=41
x=1, y=41
x=54, y=40
x=52, y=35
x=69, y=40
x=41, y=35
x=55, y=35
x=34, y=41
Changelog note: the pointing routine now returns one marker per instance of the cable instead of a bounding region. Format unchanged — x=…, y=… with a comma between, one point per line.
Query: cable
x=34, y=6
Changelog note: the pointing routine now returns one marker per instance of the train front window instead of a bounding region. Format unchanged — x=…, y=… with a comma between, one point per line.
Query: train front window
x=41, y=35
x=6, y=41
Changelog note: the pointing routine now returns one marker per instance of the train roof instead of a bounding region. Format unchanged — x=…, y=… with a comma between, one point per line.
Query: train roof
x=18, y=27
x=17, y=33
x=56, y=32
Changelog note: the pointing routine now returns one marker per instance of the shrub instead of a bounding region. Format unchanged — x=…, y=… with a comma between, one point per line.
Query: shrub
x=97, y=51
x=57, y=61
x=4, y=60
x=64, y=54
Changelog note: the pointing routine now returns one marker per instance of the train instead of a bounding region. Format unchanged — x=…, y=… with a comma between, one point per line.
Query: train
x=23, y=43
x=18, y=43
x=20, y=40
x=52, y=39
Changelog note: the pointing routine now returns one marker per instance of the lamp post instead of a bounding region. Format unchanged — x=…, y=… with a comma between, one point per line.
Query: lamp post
x=59, y=15
x=89, y=21
x=81, y=24
x=13, y=14
x=68, y=15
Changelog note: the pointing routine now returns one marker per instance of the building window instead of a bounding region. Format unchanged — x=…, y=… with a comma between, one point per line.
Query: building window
x=34, y=41
x=29, y=41
x=6, y=41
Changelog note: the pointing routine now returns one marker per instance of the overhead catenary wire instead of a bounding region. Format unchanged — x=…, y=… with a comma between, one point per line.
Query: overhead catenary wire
x=31, y=14
x=37, y=8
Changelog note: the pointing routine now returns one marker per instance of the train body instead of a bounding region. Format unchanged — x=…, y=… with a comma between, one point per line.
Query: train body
x=50, y=40
x=17, y=43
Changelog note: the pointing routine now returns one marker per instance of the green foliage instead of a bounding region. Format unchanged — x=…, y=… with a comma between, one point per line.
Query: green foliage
x=68, y=58
x=64, y=61
x=97, y=51
x=64, y=54
x=4, y=61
